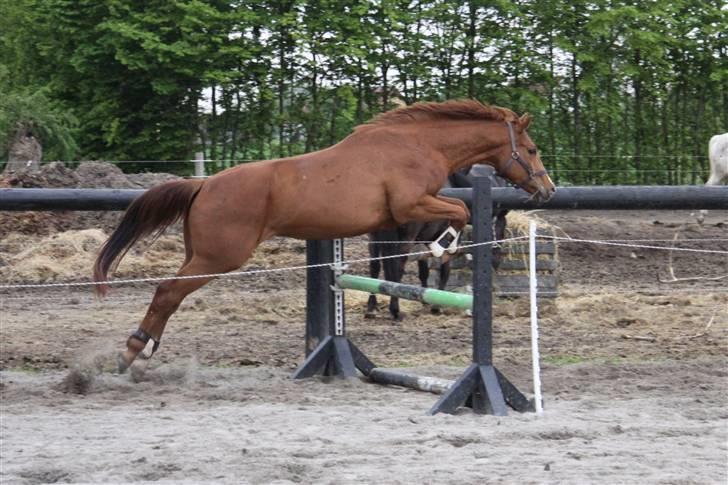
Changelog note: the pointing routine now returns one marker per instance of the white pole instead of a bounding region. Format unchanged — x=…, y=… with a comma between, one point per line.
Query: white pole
x=199, y=165
x=533, y=286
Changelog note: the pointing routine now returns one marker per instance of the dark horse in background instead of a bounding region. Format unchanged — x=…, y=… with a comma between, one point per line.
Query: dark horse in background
x=387, y=243
x=386, y=173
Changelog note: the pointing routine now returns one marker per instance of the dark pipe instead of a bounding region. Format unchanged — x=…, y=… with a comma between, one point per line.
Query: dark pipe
x=67, y=199
x=615, y=197
x=594, y=198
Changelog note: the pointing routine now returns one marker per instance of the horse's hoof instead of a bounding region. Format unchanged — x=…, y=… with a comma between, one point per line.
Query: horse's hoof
x=121, y=364
x=370, y=315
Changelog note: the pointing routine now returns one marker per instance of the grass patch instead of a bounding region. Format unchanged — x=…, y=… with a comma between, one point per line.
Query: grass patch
x=567, y=359
x=424, y=360
x=25, y=367
x=564, y=359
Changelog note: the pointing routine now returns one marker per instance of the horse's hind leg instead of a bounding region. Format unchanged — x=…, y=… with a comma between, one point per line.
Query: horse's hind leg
x=167, y=298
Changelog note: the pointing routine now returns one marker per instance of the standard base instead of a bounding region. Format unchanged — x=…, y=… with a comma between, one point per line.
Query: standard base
x=335, y=356
x=484, y=389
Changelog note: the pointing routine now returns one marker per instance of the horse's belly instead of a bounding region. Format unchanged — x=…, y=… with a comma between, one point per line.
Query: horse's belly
x=330, y=223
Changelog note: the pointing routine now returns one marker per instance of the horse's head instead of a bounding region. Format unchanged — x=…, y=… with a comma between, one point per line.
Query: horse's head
x=518, y=161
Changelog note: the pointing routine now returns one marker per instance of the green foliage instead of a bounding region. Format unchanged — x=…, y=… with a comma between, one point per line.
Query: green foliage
x=623, y=91
x=35, y=113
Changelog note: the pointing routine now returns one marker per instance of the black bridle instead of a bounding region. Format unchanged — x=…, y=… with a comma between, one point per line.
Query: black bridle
x=516, y=157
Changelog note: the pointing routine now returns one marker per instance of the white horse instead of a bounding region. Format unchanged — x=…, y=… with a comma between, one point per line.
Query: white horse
x=718, y=154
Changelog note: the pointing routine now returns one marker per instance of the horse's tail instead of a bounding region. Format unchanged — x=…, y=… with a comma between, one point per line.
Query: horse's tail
x=152, y=212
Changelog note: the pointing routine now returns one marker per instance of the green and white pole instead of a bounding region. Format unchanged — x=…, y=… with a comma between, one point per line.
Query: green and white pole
x=407, y=292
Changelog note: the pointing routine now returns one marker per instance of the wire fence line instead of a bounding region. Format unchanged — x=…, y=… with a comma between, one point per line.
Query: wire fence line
x=74, y=300
x=626, y=245
x=234, y=274
x=677, y=241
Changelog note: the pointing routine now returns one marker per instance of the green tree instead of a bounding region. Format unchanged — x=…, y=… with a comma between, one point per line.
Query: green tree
x=31, y=115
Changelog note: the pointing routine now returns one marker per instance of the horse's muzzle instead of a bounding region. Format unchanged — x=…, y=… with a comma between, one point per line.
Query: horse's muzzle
x=544, y=194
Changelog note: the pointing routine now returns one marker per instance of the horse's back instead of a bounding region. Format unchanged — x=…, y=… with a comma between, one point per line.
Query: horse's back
x=321, y=195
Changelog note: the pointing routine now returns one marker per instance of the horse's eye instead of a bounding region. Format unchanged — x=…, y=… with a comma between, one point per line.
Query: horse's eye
x=533, y=151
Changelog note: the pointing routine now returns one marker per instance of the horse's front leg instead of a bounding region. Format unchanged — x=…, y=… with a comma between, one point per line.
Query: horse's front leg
x=430, y=208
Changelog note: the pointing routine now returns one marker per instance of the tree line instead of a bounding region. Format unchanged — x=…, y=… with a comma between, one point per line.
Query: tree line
x=622, y=91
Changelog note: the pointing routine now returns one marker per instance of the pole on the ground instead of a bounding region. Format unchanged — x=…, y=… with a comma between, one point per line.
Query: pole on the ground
x=328, y=351
x=421, y=383
x=533, y=287
x=482, y=387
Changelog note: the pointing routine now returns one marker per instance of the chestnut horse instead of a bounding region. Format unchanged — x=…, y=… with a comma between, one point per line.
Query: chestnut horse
x=386, y=173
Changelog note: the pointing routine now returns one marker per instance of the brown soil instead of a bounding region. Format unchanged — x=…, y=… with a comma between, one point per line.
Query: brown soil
x=611, y=305
x=617, y=333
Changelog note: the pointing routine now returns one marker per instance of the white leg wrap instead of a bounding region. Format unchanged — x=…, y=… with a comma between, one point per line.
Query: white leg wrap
x=453, y=247
x=438, y=249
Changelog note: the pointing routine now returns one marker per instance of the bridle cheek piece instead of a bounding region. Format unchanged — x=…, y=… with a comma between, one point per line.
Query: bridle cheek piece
x=516, y=157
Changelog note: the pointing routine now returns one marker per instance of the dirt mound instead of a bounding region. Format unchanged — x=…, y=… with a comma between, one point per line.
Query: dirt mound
x=51, y=175
x=87, y=175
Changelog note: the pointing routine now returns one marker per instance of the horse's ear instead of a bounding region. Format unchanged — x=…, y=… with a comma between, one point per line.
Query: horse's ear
x=524, y=121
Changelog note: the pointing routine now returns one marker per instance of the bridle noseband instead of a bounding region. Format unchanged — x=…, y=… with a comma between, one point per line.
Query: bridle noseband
x=516, y=157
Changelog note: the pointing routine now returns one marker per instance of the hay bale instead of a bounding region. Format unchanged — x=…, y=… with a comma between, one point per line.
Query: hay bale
x=70, y=255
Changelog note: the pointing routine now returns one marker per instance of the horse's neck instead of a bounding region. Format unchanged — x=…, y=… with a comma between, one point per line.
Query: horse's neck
x=459, y=144
x=466, y=143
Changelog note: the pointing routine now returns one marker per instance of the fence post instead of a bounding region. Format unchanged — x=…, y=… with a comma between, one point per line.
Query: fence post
x=328, y=350
x=482, y=387
x=533, y=287
x=199, y=164
x=319, y=298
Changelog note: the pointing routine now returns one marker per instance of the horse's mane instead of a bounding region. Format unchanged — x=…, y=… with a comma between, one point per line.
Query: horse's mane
x=463, y=109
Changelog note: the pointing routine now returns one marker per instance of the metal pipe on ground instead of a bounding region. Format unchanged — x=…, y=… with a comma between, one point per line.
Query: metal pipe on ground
x=411, y=381
x=408, y=292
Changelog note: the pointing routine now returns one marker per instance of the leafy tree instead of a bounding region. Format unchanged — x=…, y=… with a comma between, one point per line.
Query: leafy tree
x=623, y=91
x=33, y=116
